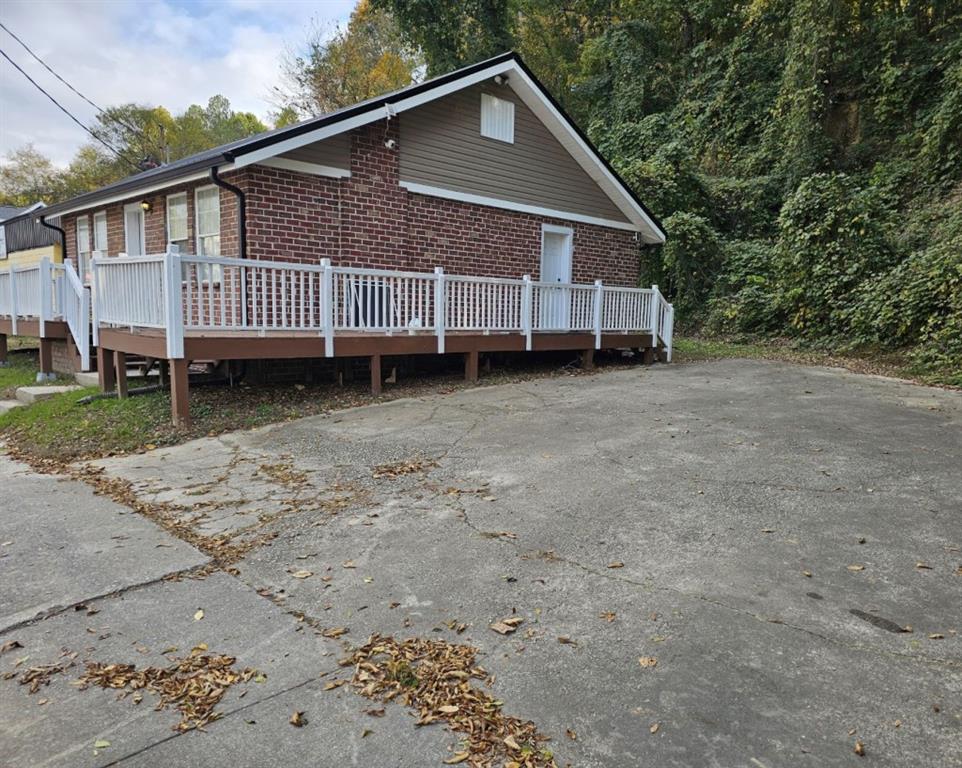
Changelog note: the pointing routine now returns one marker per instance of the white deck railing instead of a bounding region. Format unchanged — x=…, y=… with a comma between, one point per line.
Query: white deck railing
x=47, y=292
x=75, y=302
x=184, y=293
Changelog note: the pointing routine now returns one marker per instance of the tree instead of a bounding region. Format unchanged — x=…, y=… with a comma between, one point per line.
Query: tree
x=27, y=177
x=366, y=59
x=452, y=33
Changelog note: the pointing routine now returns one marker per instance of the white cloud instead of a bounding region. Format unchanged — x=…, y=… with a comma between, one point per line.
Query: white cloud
x=171, y=53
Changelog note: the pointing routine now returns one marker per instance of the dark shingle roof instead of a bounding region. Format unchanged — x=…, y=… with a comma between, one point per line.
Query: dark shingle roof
x=9, y=211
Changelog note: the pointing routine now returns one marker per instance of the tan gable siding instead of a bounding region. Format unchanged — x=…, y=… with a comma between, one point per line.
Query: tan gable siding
x=442, y=146
x=334, y=152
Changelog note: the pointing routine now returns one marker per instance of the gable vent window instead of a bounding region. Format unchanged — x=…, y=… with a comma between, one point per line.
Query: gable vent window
x=497, y=118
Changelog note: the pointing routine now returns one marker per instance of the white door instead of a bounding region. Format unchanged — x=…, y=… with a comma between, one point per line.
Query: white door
x=555, y=304
x=134, y=229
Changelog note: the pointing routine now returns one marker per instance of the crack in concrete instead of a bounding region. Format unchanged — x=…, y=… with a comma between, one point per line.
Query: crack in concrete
x=224, y=716
x=59, y=609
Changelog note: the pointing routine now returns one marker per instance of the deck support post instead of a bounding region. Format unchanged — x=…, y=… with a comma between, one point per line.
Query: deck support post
x=46, y=356
x=327, y=306
x=599, y=299
x=588, y=359
x=3, y=348
x=649, y=355
x=120, y=371
x=375, y=375
x=179, y=406
x=105, y=369
x=440, y=305
x=527, y=301
x=163, y=373
x=471, y=366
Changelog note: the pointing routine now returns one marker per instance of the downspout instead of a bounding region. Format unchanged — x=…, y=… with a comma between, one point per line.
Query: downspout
x=63, y=235
x=242, y=209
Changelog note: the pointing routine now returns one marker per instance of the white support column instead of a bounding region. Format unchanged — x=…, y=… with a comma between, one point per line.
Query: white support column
x=526, y=308
x=44, y=286
x=440, y=304
x=599, y=297
x=327, y=306
x=85, y=329
x=13, y=300
x=174, y=306
x=94, y=301
x=653, y=320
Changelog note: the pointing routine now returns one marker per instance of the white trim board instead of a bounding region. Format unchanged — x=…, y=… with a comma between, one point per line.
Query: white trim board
x=300, y=166
x=100, y=202
x=376, y=112
x=531, y=95
x=509, y=205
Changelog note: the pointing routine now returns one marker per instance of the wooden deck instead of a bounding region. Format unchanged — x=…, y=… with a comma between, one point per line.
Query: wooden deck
x=115, y=344
x=183, y=308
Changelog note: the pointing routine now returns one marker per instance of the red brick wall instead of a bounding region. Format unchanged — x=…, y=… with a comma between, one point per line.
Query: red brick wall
x=368, y=220
x=155, y=221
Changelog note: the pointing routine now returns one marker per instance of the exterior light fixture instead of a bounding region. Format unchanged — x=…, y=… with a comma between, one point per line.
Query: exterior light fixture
x=500, y=79
x=145, y=205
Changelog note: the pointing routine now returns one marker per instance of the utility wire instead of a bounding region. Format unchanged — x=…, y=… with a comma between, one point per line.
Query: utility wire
x=52, y=72
x=65, y=111
x=47, y=66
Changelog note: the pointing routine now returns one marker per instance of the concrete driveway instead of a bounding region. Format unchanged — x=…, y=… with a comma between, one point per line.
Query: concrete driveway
x=785, y=543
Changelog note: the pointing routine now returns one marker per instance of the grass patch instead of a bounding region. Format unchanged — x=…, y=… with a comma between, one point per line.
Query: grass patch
x=20, y=371
x=894, y=363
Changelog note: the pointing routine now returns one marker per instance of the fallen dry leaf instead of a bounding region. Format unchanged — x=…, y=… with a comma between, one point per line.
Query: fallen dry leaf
x=302, y=574
x=298, y=720
x=199, y=615
x=616, y=564
x=330, y=686
x=608, y=616
x=936, y=636
x=647, y=661
x=565, y=640
x=9, y=646
x=434, y=677
x=654, y=728
x=807, y=574
x=859, y=749
x=401, y=468
x=855, y=568
x=194, y=684
x=334, y=632
x=571, y=734
x=506, y=626
x=923, y=566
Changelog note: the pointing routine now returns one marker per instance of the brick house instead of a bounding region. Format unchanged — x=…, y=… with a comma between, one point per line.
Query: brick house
x=476, y=173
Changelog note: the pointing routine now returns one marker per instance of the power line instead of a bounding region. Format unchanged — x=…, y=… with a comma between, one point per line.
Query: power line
x=52, y=72
x=65, y=111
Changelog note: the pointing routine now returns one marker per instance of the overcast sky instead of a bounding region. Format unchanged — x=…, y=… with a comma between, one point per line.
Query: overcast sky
x=161, y=52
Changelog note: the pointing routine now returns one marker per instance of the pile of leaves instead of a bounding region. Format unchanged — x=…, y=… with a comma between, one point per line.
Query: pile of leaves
x=400, y=468
x=194, y=684
x=434, y=678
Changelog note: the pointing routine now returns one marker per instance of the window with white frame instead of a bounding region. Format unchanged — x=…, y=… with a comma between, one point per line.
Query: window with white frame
x=177, y=218
x=497, y=118
x=207, y=221
x=100, y=232
x=83, y=244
